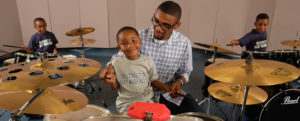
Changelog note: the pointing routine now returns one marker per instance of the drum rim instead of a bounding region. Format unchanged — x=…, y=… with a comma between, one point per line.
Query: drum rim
x=204, y=114
x=126, y=116
x=48, y=116
x=272, y=98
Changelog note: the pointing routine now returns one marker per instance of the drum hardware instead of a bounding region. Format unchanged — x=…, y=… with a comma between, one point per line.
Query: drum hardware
x=80, y=32
x=17, y=114
x=252, y=72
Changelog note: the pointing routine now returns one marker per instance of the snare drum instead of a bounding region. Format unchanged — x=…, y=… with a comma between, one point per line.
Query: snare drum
x=77, y=115
x=69, y=57
x=9, y=61
x=203, y=116
x=283, y=106
x=115, y=117
x=288, y=56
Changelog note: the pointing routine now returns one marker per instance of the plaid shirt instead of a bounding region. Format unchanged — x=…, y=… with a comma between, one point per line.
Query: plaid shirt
x=172, y=58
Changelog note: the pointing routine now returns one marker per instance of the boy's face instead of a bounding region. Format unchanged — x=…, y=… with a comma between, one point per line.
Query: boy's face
x=164, y=24
x=40, y=26
x=130, y=44
x=261, y=25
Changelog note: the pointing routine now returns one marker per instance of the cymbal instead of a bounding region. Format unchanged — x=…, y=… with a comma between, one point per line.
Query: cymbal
x=217, y=60
x=55, y=71
x=85, y=41
x=235, y=93
x=219, y=48
x=54, y=100
x=261, y=72
x=80, y=31
x=291, y=43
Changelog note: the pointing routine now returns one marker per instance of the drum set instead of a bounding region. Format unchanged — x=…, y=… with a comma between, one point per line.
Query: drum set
x=239, y=80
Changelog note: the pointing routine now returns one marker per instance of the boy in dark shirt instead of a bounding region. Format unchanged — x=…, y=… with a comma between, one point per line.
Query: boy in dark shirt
x=43, y=40
x=256, y=40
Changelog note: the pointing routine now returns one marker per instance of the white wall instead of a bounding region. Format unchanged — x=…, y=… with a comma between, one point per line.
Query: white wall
x=203, y=21
x=10, y=32
x=286, y=23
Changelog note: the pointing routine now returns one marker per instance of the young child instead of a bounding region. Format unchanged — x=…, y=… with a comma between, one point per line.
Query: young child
x=135, y=73
x=256, y=40
x=43, y=40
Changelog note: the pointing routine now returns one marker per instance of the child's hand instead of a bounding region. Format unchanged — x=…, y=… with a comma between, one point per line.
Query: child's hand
x=108, y=75
x=234, y=42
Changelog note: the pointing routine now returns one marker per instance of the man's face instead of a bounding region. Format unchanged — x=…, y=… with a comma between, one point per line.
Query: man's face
x=164, y=24
x=261, y=25
x=40, y=26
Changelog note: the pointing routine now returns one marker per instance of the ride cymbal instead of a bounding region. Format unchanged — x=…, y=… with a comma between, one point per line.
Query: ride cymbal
x=54, y=71
x=54, y=100
x=233, y=93
x=291, y=43
x=80, y=31
x=261, y=72
x=85, y=41
x=219, y=48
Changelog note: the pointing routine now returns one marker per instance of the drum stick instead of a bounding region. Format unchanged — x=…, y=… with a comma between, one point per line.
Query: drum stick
x=11, y=46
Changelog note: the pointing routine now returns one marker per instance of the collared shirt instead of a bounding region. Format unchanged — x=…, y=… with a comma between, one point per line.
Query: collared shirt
x=172, y=57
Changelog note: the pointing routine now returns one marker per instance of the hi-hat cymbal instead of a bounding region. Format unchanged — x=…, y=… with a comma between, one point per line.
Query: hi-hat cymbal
x=235, y=93
x=261, y=72
x=291, y=43
x=55, y=71
x=219, y=48
x=54, y=100
x=85, y=41
x=80, y=31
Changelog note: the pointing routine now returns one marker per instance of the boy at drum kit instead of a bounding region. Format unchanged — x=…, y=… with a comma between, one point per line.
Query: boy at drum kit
x=256, y=40
x=43, y=40
x=136, y=73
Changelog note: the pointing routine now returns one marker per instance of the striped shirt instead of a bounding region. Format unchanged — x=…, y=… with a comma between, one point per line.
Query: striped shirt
x=172, y=58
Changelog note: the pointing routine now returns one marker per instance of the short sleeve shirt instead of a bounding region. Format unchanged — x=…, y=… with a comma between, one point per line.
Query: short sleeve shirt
x=43, y=42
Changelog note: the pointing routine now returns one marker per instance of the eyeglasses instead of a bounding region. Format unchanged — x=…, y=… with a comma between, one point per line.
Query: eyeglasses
x=164, y=26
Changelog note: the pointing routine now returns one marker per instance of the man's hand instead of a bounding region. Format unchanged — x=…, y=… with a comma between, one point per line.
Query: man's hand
x=176, y=88
x=108, y=76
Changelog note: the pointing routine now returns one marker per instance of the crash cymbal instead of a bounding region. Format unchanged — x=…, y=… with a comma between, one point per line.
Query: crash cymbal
x=85, y=41
x=235, y=93
x=261, y=72
x=80, y=31
x=291, y=43
x=219, y=48
x=217, y=60
x=54, y=100
x=55, y=71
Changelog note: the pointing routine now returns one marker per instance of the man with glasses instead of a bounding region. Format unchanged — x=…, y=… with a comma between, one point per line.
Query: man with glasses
x=172, y=54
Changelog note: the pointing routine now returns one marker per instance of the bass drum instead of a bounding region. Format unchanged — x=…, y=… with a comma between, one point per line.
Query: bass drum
x=203, y=116
x=283, y=106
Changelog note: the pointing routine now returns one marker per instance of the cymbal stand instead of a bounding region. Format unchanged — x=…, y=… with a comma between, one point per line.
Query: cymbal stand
x=208, y=99
x=249, y=62
x=82, y=53
x=17, y=115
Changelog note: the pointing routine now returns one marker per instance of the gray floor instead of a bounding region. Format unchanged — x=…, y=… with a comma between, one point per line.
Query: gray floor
x=102, y=95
